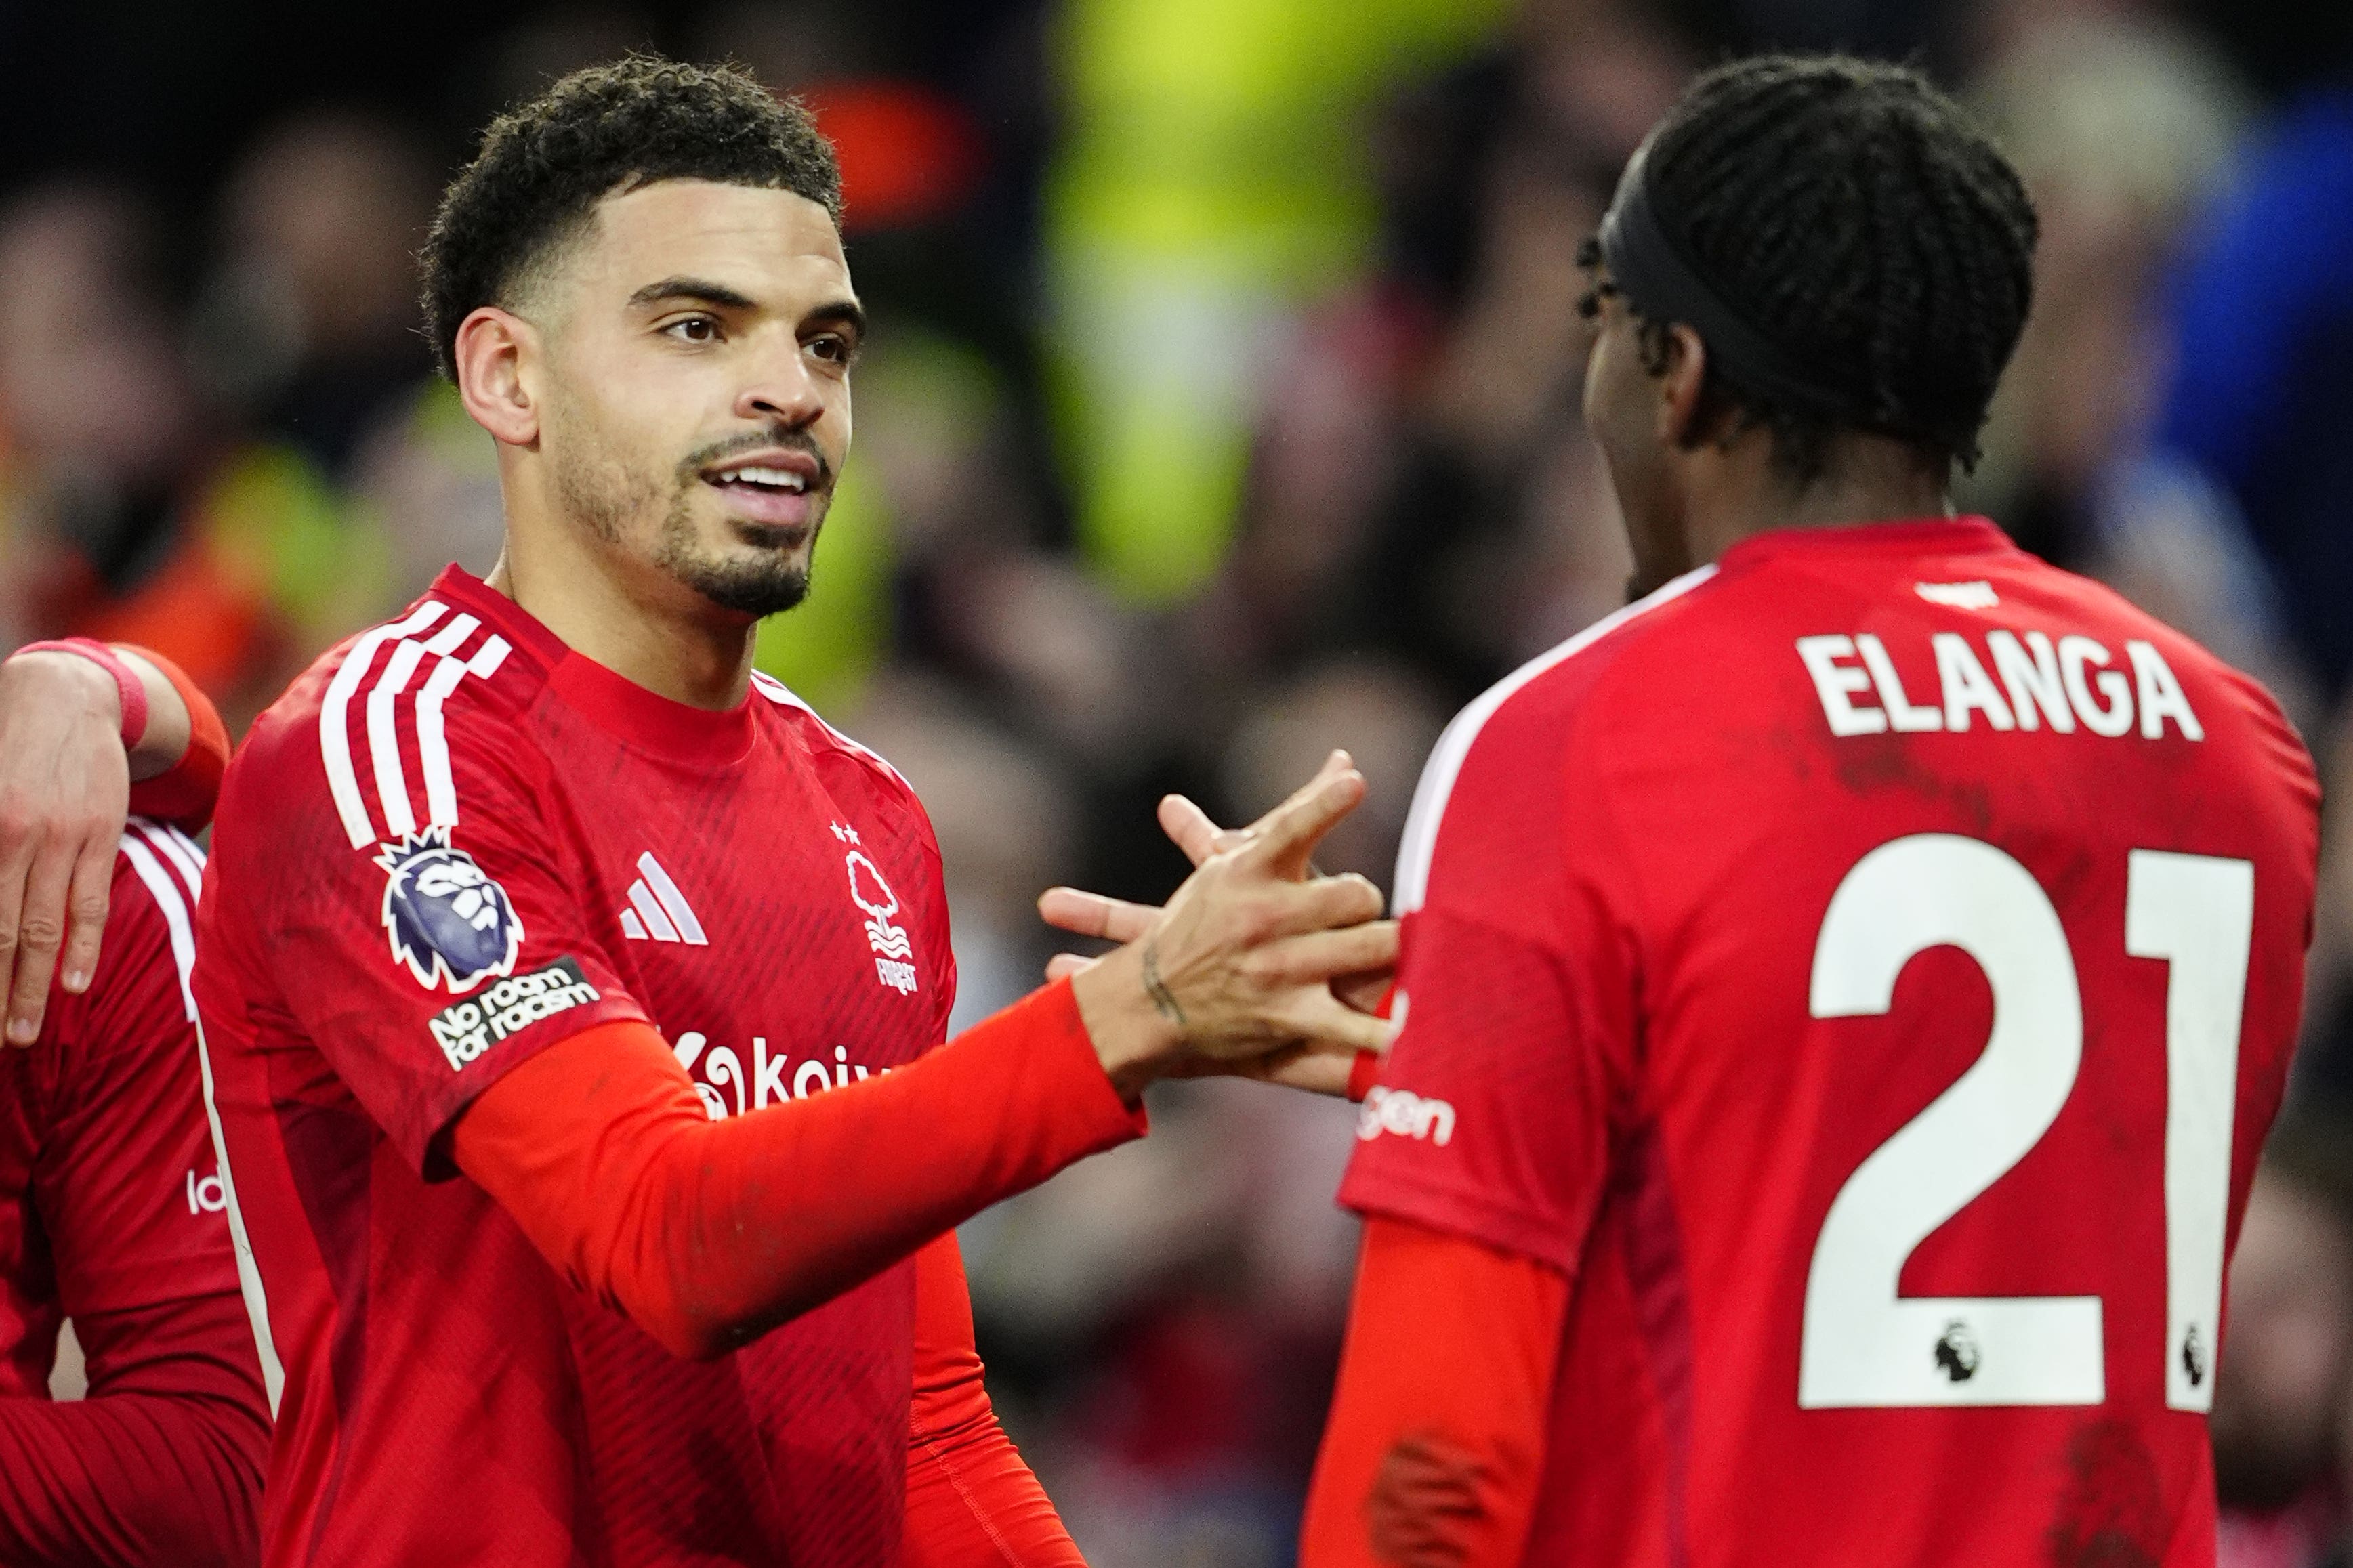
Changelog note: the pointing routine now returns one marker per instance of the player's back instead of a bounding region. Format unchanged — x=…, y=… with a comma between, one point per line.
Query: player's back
x=1938, y=923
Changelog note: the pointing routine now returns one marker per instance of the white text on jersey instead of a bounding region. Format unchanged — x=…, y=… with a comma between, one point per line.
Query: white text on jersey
x=723, y=1077
x=1406, y=1114
x=2071, y=683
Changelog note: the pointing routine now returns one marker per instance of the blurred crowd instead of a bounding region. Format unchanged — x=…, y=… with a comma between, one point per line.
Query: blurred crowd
x=1222, y=408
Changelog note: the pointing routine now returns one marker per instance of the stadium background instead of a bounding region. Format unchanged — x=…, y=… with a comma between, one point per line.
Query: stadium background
x=1221, y=408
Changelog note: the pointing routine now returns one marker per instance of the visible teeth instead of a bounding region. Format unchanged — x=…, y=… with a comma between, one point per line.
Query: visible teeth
x=777, y=476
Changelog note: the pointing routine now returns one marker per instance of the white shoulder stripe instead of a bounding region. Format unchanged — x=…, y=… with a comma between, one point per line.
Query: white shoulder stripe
x=1445, y=764
x=167, y=891
x=178, y=850
x=142, y=845
x=437, y=658
x=784, y=696
x=334, y=718
x=432, y=734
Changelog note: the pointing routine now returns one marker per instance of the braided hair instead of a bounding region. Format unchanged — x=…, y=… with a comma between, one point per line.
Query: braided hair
x=1856, y=216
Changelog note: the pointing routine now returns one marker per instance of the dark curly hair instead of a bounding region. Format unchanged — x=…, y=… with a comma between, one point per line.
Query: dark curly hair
x=544, y=168
x=1860, y=220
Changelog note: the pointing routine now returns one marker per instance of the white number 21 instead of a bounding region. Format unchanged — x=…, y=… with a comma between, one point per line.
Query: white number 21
x=1862, y=1343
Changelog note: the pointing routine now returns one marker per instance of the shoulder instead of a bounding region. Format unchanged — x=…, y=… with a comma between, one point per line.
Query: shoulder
x=866, y=769
x=370, y=731
x=1508, y=743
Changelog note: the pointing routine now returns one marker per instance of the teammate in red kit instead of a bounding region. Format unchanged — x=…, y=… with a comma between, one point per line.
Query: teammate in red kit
x=112, y=1212
x=572, y=994
x=1843, y=993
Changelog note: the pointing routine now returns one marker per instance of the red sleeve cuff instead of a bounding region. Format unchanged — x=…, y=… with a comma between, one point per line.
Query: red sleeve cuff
x=184, y=795
x=1049, y=1018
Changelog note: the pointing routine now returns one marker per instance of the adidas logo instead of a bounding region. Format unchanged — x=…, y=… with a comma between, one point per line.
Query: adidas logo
x=658, y=910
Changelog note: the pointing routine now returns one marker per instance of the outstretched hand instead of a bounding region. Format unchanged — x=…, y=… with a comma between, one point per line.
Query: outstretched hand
x=1282, y=844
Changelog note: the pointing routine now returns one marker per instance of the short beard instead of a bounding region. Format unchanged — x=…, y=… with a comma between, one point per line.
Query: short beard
x=765, y=585
x=605, y=496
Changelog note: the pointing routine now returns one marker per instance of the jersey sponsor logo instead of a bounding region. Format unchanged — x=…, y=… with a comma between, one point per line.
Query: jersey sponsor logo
x=444, y=916
x=464, y=1030
x=206, y=1194
x=657, y=912
x=725, y=1089
x=2074, y=683
x=871, y=891
x=1406, y=1114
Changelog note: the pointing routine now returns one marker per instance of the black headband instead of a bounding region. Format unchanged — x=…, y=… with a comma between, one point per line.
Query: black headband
x=1661, y=282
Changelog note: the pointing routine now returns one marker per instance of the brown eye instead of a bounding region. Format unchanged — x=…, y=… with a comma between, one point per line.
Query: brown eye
x=694, y=329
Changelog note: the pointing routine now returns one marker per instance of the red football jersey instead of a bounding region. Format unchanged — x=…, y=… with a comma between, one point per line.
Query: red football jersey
x=450, y=844
x=1868, y=968
x=109, y=1197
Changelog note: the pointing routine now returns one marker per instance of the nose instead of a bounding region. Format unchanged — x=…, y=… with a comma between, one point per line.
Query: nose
x=783, y=391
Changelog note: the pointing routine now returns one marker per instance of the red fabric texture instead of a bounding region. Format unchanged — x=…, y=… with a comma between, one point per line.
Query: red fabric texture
x=161, y=1463
x=971, y=1499
x=1436, y=1438
x=184, y=795
x=708, y=1234
x=111, y=1215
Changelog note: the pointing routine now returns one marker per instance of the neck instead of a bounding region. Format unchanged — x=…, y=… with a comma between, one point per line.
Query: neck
x=1865, y=478
x=635, y=621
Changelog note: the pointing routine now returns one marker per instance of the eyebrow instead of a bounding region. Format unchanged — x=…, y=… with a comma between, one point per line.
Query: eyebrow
x=696, y=289
x=848, y=313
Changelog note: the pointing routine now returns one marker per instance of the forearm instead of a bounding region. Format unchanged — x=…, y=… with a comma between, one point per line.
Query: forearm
x=971, y=1499
x=161, y=1464
x=1434, y=1446
x=133, y=1478
x=708, y=1234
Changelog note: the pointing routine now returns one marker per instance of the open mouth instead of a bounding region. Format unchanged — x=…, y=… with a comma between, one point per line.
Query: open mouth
x=761, y=478
x=772, y=487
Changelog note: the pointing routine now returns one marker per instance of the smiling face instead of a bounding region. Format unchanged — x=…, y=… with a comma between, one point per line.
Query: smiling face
x=692, y=411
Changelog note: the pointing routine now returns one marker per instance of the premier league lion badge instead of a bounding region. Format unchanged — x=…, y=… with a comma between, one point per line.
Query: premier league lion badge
x=447, y=921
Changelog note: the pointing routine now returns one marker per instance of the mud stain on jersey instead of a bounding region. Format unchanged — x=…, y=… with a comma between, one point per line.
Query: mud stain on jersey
x=2112, y=1514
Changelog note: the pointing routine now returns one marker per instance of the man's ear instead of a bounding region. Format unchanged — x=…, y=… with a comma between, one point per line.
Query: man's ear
x=1679, y=387
x=496, y=358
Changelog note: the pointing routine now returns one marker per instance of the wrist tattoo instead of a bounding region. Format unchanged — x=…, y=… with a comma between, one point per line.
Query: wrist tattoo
x=1157, y=989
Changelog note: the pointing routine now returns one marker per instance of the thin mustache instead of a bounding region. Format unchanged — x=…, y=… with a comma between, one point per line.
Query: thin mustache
x=756, y=441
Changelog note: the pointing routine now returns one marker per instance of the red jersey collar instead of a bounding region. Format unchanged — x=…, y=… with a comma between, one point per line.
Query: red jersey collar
x=614, y=703
x=1904, y=536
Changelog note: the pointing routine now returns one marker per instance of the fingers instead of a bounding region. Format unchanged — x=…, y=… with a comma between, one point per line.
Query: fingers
x=86, y=907
x=1062, y=965
x=1320, y=956
x=1094, y=915
x=1288, y=835
x=15, y=866
x=1318, y=1068
x=1366, y=992
x=1327, y=901
x=41, y=932
x=1319, y=1017
x=1191, y=829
